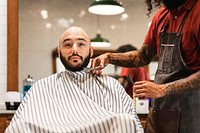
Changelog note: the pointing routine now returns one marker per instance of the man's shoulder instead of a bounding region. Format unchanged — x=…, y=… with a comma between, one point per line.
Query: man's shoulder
x=49, y=78
x=162, y=11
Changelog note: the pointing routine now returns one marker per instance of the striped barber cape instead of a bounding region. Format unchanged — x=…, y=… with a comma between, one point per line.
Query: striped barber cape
x=76, y=102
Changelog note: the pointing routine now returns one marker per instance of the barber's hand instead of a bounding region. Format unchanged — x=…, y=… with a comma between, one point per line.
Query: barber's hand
x=101, y=61
x=148, y=89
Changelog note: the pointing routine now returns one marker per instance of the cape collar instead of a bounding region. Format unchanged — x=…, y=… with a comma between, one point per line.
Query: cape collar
x=78, y=75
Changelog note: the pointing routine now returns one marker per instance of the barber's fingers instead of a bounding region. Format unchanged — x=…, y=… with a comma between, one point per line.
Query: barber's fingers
x=140, y=95
x=140, y=82
x=101, y=61
x=143, y=93
x=148, y=89
x=138, y=89
x=139, y=85
x=95, y=67
x=98, y=72
x=95, y=62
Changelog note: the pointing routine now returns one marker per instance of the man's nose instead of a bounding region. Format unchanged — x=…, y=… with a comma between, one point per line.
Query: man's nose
x=74, y=48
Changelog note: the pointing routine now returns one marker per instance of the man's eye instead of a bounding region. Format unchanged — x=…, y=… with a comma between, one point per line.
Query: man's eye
x=68, y=44
x=81, y=44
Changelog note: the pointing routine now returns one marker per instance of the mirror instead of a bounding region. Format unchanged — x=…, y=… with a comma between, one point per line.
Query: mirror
x=42, y=22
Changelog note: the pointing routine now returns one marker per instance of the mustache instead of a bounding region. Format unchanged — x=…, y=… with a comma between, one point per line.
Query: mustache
x=75, y=55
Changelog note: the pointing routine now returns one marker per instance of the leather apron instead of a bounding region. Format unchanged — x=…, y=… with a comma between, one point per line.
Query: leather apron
x=178, y=112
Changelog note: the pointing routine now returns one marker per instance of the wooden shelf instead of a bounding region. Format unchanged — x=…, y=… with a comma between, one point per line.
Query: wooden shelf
x=5, y=118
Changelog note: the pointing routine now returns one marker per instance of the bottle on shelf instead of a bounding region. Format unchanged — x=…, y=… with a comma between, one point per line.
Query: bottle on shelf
x=27, y=83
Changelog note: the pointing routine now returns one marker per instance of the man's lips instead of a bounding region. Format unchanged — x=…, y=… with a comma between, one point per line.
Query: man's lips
x=75, y=57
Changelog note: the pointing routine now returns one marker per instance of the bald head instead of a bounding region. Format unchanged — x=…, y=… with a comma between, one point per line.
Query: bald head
x=74, y=31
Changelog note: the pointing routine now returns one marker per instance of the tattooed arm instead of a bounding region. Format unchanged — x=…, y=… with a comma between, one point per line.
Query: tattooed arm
x=128, y=59
x=133, y=58
x=152, y=90
x=193, y=81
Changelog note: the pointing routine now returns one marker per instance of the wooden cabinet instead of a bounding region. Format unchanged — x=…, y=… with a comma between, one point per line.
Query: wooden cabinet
x=5, y=118
x=142, y=118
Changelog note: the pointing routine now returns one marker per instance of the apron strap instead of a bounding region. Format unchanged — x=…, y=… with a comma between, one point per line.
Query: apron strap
x=182, y=23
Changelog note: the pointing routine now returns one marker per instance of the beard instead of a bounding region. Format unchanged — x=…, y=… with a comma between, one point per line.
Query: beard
x=78, y=67
x=173, y=4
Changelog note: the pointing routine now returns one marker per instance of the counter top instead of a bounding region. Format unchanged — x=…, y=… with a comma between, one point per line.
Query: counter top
x=7, y=111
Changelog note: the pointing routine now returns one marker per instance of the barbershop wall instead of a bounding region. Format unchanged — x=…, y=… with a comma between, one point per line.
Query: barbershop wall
x=38, y=37
x=3, y=49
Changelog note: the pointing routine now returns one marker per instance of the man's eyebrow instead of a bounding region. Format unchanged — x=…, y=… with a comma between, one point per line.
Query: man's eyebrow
x=80, y=39
x=66, y=40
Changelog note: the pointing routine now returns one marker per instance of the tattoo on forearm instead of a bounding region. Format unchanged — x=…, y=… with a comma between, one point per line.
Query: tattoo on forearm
x=121, y=59
x=146, y=54
x=190, y=83
x=133, y=58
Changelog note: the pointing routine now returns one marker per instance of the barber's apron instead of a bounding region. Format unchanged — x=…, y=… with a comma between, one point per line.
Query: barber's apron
x=179, y=112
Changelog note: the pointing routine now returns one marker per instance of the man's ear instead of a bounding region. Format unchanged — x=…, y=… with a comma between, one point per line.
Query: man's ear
x=58, y=50
x=91, y=51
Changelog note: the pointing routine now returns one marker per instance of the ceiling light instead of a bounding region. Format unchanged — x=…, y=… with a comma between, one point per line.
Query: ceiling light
x=98, y=41
x=124, y=17
x=44, y=14
x=48, y=25
x=106, y=7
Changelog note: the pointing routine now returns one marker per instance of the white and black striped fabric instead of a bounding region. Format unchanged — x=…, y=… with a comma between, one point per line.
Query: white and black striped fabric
x=76, y=102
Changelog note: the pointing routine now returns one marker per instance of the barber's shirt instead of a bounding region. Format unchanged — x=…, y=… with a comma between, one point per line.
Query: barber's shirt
x=76, y=102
